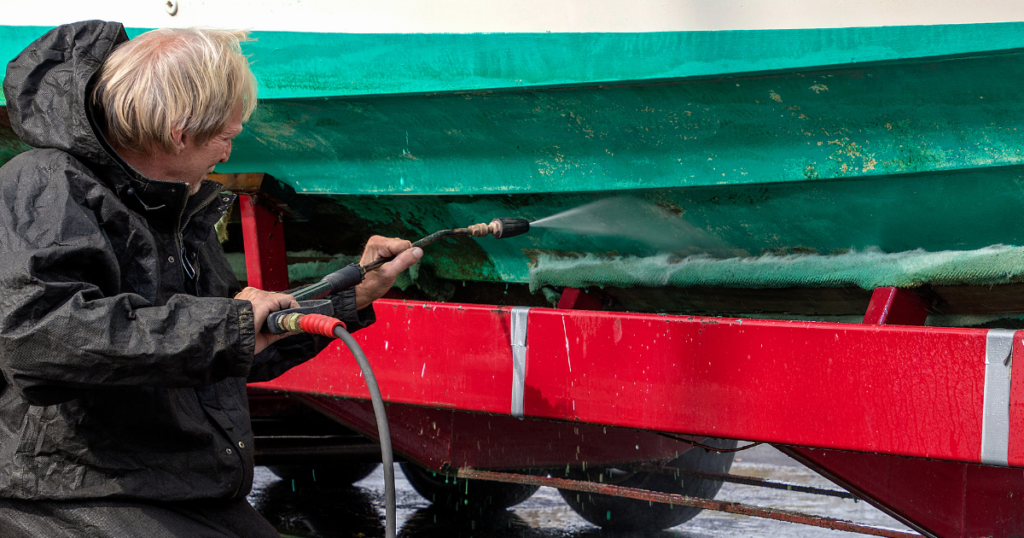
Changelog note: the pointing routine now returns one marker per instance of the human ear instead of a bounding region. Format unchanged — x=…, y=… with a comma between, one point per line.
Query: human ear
x=179, y=138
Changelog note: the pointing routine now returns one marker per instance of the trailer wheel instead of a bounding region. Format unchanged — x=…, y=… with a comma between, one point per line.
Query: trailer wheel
x=621, y=514
x=457, y=494
x=324, y=475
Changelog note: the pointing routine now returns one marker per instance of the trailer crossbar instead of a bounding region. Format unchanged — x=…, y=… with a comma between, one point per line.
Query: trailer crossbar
x=682, y=500
x=745, y=480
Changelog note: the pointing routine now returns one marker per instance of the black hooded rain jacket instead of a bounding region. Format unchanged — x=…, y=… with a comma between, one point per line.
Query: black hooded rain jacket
x=122, y=376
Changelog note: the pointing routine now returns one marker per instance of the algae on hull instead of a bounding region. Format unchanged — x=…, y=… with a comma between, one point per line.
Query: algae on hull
x=867, y=269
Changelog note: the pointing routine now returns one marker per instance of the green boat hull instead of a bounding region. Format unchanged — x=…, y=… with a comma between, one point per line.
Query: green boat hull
x=899, y=156
x=868, y=120
x=894, y=155
x=953, y=210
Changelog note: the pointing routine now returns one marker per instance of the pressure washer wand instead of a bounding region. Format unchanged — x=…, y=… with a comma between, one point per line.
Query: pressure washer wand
x=351, y=275
x=499, y=228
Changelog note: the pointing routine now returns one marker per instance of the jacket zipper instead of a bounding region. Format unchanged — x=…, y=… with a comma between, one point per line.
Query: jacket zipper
x=179, y=241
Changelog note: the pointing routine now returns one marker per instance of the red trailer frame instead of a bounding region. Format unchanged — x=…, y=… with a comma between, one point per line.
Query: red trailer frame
x=925, y=423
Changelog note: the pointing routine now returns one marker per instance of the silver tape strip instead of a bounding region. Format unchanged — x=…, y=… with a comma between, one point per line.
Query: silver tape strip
x=995, y=424
x=520, y=315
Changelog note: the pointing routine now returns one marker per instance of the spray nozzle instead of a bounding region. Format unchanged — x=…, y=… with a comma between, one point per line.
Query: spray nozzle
x=504, y=228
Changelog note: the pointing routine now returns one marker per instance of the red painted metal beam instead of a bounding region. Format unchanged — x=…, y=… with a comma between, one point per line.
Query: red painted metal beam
x=895, y=391
x=446, y=439
x=577, y=299
x=896, y=306
x=266, y=265
x=908, y=391
x=1015, y=452
x=941, y=498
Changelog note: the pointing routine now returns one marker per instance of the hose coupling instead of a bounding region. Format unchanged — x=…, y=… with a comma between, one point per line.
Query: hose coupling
x=290, y=323
x=479, y=230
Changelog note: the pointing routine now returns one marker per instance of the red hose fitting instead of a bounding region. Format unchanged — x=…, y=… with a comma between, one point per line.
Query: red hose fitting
x=320, y=324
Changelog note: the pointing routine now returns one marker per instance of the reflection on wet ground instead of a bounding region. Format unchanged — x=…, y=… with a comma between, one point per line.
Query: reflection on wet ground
x=358, y=511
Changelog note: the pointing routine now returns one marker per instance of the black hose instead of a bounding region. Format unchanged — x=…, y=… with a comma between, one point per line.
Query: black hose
x=388, y=459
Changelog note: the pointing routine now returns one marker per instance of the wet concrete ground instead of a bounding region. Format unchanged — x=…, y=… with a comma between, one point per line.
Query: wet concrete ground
x=358, y=511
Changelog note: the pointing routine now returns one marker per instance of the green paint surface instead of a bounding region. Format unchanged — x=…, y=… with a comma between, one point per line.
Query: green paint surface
x=318, y=65
x=956, y=210
x=297, y=64
x=866, y=121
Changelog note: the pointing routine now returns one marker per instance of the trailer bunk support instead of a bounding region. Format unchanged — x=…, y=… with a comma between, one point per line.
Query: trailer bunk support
x=266, y=264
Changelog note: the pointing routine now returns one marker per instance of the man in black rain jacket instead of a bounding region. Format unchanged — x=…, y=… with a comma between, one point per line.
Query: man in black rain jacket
x=124, y=350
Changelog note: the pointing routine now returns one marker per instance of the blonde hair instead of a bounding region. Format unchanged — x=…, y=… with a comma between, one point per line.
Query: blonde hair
x=190, y=79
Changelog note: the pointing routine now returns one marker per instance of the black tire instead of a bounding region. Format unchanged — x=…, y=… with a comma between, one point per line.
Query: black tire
x=621, y=514
x=324, y=475
x=475, y=497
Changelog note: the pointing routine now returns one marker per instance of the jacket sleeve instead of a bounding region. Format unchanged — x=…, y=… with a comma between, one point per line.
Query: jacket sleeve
x=64, y=327
x=295, y=350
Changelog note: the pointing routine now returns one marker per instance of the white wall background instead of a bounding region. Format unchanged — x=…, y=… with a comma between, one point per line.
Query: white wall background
x=464, y=16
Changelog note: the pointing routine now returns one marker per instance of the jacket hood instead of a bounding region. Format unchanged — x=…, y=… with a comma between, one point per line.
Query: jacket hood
x=46, y=88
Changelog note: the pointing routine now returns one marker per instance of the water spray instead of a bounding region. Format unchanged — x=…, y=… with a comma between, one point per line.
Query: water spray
x=314, y=317
x=654, y=227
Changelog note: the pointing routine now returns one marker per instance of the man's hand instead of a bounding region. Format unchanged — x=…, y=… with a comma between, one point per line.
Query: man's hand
x=263, y=303
x=377, y=283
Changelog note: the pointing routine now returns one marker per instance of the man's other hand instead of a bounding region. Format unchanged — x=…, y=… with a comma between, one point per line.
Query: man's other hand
x=263, y=303
x=377, y=283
